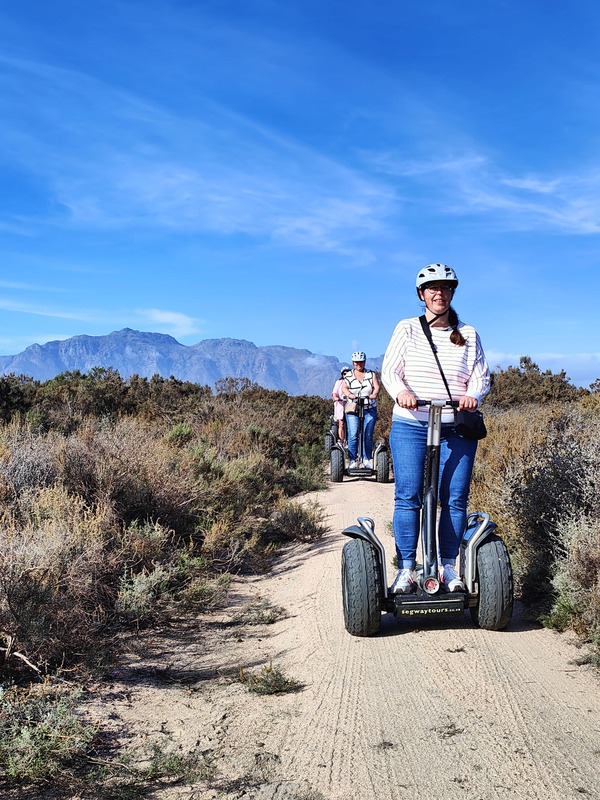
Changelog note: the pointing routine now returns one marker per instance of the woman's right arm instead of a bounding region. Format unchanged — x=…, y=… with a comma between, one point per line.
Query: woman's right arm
x=346, y=389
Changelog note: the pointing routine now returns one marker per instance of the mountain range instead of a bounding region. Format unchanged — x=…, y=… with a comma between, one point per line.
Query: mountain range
x=129, y=352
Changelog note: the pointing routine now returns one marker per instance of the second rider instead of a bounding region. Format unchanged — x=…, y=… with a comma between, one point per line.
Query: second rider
x=360, y=382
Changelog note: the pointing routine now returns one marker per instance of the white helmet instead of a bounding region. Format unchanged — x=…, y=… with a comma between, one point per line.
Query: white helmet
x=436, y=272
x=358, y=355
x=344, y=368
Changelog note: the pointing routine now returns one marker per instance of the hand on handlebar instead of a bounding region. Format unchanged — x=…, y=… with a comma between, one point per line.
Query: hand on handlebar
x=406, y=399
x=468, y=403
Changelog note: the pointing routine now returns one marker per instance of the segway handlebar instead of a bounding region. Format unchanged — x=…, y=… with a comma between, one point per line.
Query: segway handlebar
x=364, y=402
x=440, y=403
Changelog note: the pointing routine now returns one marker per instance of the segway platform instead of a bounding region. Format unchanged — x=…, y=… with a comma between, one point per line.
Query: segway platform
x=360, y=472
x=405, y=606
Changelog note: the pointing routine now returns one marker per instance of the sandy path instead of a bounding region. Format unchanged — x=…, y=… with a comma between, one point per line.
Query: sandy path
x=432, y=710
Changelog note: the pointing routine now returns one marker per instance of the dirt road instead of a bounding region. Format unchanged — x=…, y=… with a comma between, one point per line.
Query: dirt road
x=418, y=710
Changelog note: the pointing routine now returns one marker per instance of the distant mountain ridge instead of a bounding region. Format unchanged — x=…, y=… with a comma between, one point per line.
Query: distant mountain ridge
x=130, y=352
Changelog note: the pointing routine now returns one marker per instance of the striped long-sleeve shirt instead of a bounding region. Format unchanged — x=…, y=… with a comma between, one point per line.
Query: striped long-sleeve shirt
x=410, y=364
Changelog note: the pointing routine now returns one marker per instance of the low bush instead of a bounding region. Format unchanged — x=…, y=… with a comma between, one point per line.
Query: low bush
x=526, y=383
x=537, y=474
x=290, y=520
x=109, y=517
x=57, y=579
x=41, y=733
x=269, y=680
x=260, y=611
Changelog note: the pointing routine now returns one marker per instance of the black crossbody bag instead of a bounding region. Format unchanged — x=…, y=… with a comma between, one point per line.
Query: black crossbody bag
x=468, y=424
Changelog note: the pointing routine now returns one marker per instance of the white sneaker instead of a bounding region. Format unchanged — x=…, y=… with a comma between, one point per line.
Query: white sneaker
x=367, y=464
x=451, y=579
x=403, y=582
x=352, y=465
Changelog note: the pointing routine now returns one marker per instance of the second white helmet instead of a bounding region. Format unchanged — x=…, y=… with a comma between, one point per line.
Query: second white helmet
x=436, y=272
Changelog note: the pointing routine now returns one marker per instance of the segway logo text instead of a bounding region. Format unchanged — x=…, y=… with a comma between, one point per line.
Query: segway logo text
x=410, y=612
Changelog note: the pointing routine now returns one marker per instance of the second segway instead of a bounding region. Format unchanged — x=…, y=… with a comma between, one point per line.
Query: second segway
x=340, y=461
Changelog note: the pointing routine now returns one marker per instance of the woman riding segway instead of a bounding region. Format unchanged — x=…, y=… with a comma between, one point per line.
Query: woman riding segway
x=362, y=384
x=410, y=373
x=338, y=404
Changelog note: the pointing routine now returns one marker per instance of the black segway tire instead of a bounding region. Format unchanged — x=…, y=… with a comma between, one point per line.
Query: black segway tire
x=495, y=580
x=329, y=441
x=383, y=466
x=336, y=458
x=361, y=588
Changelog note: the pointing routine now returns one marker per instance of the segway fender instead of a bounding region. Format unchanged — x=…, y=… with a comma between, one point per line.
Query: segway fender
x=366, y=530
x=379, y=446
x=479, y=528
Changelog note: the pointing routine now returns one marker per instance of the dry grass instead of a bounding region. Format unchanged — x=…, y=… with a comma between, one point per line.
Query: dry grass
x=57, y=576
x=121, y=520
x=538, y=474
x=121, y=505
x=268, y=680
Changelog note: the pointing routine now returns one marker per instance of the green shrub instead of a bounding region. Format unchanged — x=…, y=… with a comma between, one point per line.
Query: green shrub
x=526, y=383
x=180, y=434
x=295, y=521
x=139, y=592
x=41, y=733
x=308, y=472
x=269, y=680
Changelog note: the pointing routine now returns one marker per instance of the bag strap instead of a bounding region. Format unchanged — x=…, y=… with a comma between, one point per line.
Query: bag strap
x=427, y=332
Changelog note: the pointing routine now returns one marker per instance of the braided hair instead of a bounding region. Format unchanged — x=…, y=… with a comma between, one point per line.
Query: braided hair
x=456, y=336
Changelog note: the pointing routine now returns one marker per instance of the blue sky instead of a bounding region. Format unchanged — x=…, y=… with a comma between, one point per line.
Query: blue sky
x=279, y=170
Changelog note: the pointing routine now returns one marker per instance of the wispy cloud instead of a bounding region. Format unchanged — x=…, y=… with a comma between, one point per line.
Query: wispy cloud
x=172, y=322
x=45, y=311
x=20, y=286
x=532, y=184
x=116, y=161
x=112, y=160
x=569, y=204
x=16, y=285
x=472, y=183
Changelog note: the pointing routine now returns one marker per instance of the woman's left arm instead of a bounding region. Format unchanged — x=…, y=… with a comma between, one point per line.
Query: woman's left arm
x=479, y=381
x=376, y=387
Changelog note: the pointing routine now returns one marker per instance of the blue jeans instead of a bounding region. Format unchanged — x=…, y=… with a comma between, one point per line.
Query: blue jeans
x=352, y=421
x=408, y=443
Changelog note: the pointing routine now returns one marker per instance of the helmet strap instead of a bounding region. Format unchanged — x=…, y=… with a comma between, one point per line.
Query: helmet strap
x=437, y=316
